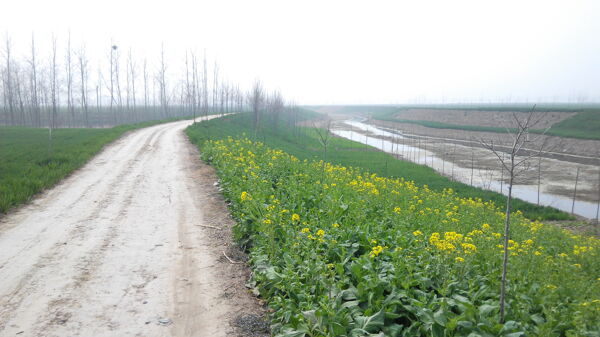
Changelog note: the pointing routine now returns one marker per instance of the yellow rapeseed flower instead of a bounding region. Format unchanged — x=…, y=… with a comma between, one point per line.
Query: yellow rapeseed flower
x=295, y=217
x=469, y=248
x=375, y=251
x=459, y=259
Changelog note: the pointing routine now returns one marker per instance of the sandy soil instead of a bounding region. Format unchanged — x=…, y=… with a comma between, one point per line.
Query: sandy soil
x=478, y=118
x=129, y=245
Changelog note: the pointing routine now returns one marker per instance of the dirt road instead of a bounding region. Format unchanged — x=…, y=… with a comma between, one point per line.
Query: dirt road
x=118, y=248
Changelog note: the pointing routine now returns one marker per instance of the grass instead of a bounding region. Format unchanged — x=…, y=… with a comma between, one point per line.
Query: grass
x=304, y=144
x=584, y=125
x=338, y=251
x=28, y=165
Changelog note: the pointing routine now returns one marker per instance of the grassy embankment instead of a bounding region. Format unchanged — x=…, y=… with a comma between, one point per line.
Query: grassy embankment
x=585, y=124
x=28, y=164
x=338, y=251
x=304, y=144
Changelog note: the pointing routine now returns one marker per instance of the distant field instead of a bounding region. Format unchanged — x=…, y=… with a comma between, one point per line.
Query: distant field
x=584, y=124
x=304, y=144
x=28, y=164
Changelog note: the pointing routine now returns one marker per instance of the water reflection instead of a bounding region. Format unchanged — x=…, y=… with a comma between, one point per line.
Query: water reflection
x=414, y=149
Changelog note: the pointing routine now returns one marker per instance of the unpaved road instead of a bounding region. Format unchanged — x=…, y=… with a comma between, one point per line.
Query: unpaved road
x=118, y=248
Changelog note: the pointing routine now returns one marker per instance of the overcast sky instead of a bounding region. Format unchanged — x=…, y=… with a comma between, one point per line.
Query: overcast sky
x=333, y=52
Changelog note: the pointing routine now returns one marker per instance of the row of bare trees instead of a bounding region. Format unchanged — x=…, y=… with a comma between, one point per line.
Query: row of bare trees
x=63, y=88
x=267, y=108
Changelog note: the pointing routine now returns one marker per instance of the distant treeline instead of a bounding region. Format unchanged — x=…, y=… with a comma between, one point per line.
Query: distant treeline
x=62, y=89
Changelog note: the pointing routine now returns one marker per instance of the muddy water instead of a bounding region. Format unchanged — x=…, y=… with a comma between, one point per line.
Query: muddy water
x=478, y=167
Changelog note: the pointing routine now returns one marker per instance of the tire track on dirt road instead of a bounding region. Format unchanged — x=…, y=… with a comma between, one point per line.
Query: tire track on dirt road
x=114, y=250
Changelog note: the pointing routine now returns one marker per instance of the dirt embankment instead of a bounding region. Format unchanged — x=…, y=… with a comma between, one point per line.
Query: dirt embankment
x=130, y=245
x=478, y=118
x=585, y=151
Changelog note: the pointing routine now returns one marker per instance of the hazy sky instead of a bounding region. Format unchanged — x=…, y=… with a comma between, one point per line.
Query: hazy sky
x=347, y=51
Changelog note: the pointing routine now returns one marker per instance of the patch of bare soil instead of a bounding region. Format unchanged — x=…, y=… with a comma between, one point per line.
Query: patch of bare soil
x=477, y=118
x=585, y=151
x=129, y=245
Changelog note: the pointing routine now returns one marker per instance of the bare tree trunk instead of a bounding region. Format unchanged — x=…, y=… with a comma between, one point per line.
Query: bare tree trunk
x=35, y=104
x=69, y=71
x=520, y=137
x=118, y=87
x=54, y=93
x=539, y=179
x=506, y=238
x=187, y=92
x=113, y=48
x=8, y=86
x=598, y=203
x=255, y=99
x=575, y=191
x=19, y=96
x=145, y=87
x=133, y=73
x=215, y=87
x=163, y=82
x=205, y=87
x=84, y=85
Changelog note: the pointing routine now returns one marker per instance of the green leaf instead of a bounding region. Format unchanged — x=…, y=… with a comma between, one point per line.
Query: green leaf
x=440, y=317
x=486, y=309
x=372, y=323
x=310, y=316
x=350, y=304
x=291, y=333
x=538, y=319
x=516, y=334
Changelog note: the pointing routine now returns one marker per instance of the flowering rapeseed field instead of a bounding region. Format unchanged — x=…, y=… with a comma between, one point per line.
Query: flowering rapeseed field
x=337, y=251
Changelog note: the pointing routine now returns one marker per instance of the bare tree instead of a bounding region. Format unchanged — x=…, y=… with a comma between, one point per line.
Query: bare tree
x=519, y=153
x=324, y=137
x=196, y=95
x=69, y=82
x=53, y=92
x=215, y=97
x=162, y=82
x=145, y=70
x=113, y=49
x=8, y=83
x=277, y=106
x=205, y=87
x=188, y=90
x=132, y=76
x=19, y=94
x=83, y=80
x=35, y=104
x=255, y=100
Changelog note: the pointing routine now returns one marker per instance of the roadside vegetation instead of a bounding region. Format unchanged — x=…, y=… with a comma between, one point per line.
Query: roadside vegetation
x=303, y=142
x=340, y=251
x=30, y=163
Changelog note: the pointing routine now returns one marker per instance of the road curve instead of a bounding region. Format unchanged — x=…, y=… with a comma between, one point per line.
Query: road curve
x=114, y=249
